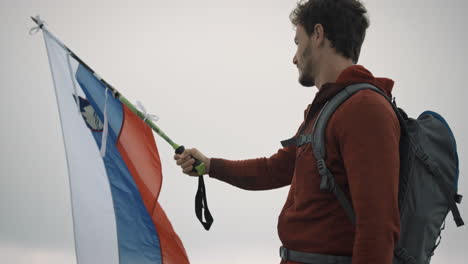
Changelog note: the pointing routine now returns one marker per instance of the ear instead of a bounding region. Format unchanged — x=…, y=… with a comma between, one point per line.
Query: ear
x=318, y=35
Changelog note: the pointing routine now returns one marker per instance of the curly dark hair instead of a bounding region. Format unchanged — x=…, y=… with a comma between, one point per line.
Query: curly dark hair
x=344, y=23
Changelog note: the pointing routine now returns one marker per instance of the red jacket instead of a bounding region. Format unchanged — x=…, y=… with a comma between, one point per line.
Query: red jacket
x=362, y=141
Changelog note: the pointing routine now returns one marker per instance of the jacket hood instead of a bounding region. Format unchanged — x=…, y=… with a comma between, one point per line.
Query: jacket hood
x=357, y=73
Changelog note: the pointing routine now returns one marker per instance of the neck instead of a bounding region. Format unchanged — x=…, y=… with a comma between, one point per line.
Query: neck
x=330, y=70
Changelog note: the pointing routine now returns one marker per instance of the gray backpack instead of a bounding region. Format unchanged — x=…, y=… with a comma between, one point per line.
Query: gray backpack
x=428, y=177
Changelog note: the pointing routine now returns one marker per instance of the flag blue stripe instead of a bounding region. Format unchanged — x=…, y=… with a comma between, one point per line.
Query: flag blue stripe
x=95, y=94
x=138, y=241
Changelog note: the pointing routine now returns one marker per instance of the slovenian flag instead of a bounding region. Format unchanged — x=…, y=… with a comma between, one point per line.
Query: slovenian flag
x=114, y=186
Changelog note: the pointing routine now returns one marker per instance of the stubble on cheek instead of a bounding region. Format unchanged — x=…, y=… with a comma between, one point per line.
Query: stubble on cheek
x=305, y=70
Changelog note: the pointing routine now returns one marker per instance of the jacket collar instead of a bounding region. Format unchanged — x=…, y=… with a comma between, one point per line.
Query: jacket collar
x=350, y=75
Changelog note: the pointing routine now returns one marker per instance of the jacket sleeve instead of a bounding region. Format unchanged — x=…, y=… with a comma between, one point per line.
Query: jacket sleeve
x=368, y=134
x=256, y=174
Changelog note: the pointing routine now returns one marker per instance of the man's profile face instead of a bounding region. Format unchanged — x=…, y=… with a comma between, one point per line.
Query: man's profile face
x=303, y=58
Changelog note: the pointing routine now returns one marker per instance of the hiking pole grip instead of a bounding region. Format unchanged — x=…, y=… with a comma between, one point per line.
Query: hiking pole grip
x=198, y=166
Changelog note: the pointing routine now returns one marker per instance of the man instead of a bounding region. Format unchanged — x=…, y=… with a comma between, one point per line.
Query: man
x=362, y=143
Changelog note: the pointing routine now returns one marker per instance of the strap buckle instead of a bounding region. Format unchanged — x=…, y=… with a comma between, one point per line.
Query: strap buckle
x=328, y=182
x=304, y=139
x=284, y=253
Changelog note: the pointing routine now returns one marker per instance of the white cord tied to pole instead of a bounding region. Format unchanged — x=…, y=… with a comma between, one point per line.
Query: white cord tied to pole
x=40, y=24
x=105, y=130
x=148, y=116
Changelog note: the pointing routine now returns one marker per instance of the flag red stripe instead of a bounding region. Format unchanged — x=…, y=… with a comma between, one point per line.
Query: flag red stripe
x=138, y=148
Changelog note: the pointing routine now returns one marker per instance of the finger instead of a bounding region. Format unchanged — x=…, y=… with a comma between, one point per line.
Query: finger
x=187, y=170
x=189, y=152
x=193, y=173
x=177, y=156
x=184, y=154
x=181, y=161
x=187, y=163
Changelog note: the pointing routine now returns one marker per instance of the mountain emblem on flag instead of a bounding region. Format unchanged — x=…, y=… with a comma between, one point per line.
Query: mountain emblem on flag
x=90, y=116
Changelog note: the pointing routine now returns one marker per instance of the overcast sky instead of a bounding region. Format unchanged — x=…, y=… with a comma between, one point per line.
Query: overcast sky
x=219, y=74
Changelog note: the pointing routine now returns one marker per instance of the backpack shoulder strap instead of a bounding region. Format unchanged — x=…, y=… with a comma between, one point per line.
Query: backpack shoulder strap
x=330, y=108
x=318, y=142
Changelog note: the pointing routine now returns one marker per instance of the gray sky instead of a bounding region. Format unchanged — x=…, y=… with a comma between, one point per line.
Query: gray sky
x=220, y=76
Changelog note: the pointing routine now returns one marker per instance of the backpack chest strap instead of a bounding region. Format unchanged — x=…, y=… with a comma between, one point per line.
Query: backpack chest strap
x=298, y=141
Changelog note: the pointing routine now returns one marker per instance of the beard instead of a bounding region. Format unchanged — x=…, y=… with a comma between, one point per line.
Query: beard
x=306, y=79
x=305, y=75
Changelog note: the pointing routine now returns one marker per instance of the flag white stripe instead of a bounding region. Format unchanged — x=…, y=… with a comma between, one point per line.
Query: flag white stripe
x=92, y=206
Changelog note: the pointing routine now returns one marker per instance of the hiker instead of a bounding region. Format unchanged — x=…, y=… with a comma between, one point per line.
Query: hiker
x=362, y=149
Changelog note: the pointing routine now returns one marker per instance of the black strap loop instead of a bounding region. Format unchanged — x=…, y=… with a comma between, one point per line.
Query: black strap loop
x=201, y=205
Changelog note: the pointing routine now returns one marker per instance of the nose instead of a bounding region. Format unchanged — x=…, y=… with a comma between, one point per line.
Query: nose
x=295, y=60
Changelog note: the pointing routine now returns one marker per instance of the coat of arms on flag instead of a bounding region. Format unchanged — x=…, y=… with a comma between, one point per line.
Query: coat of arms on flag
x=114, y=169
